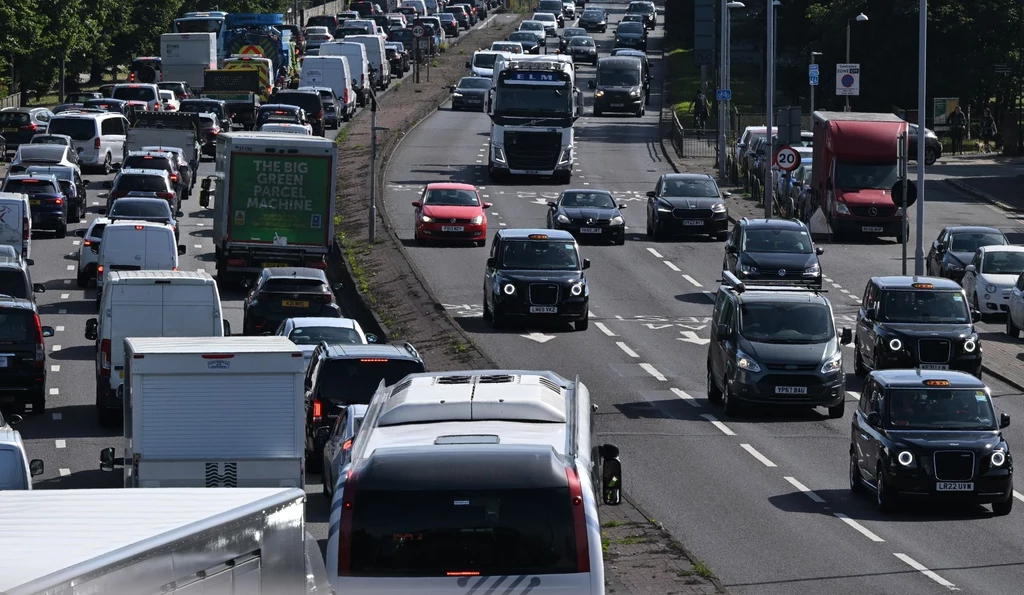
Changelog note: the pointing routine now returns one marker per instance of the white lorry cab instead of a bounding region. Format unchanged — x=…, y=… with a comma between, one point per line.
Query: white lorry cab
x=16, y=223
x=136, y=246
x=493, y=460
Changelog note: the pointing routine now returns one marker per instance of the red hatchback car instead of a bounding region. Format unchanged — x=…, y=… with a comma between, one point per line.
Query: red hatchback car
x=451, y=212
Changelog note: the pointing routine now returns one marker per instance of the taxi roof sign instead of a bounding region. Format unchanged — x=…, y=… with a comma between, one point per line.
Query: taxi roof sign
x=936, y=383
x=538, y=236
x=922, y=286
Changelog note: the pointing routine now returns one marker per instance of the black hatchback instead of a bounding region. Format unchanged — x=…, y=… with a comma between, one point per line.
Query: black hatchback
x=280, y=293
x=309, y=101
x=588, y=215
x=22, y=355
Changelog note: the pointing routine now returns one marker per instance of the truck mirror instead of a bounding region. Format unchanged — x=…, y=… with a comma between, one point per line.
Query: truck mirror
x=47, y=331
x=323, y=433
x=490, y=262
x=38, y=288
x=870, y=314
x=15, y=419
x=36, y=467
x=205, y=184
x=227, y=328
x=874, y=419
x=847, y=336
x=107, y=459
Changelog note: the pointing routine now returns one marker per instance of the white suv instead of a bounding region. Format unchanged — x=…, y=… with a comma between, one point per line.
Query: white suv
x=89, y=251
x=147, y=92
x=97, y=137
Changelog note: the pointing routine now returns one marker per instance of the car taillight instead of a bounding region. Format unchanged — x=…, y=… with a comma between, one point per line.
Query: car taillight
x=131, y=78
x=31, y=127
x=105, y=358
x=87, y=242
x=174, y=177
x=579, y=517
x=58, y=201
x=99, y=272
x=96, y=143
x=348, y=501
x=326, y=298
x=156, y=107
x=344, y=97
x=165, y=195
x=40, y=350
x=317, y=264
x=25, y=235
x=318, y=410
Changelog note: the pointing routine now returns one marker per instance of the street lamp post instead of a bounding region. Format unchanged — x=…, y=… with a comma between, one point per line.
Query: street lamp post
x=723, y=83
x=770, y=107
x=860, y=19
x=922, y=65
x=813, y=56
x=775, y=47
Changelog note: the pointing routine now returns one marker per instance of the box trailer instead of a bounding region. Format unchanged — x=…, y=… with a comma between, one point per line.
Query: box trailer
x=187, y=57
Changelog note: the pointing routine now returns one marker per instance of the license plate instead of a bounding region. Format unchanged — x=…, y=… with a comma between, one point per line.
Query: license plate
x=270, y=265
x=10, y=129
x=295, y=304
x=543, y=310
x=868, y=229
x=590, y=230
x=791, y=390
x=954, y=486
x=532, y=172
x=34, y=202
x=618, y=104
x=3, y=361
x=934, y=366
x=693, y=223
x=452, y=228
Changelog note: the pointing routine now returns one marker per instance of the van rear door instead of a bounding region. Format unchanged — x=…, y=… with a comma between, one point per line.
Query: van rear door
x=15, y=225
x=191, y=311
x=131, y=315
x=161, y=253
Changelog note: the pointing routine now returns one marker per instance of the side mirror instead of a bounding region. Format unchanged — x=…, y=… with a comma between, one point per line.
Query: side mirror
x=323, y=433
x=731, y=249
x=1004, y=420
x=586, y=263
x=15, y=419
x=940, y=247
x=107, y=459
x=870, y=314
x=726, y=194
x=874, y=419
x=846, y=337
x=488, y=205
x=417, y=204
x=38, y=288
x=371, y=338
x=181, y=249
x=35, y=466
x=336, y=287
x=611, y=475
x=107, y=185
x=47, y=331
x=86, y=183
x=970, y=268
x=30, y=261
x=227, y=328
x=79, y=150
x=975, y=316
x=468, y=65
x=490, y=262
x=206, y=183
x=623, y=205
x=91, y=329
x=651, y=194
x=591, y=85
x=552, y=204
x=819, y=250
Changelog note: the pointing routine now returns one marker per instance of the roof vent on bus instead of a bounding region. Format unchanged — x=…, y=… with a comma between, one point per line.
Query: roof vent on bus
x=495, y=379
x=401, y=387
x=468, y=439
x=454, y=379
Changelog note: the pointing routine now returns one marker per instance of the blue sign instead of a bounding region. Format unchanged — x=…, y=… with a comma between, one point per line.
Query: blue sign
x=724, y=95
x=543, y=77
x=812, y=69
x=814, y=79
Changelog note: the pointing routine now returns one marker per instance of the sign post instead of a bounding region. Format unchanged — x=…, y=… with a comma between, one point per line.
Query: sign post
x=417, y=52
x=847, y=79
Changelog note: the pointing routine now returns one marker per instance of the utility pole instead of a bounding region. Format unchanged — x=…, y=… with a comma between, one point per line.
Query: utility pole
x=373, y=165
x=770, y=116
x=922, y=65
x=814, y=55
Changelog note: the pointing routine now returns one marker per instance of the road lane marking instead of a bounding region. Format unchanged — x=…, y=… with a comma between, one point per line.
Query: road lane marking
x=62, y=311
x=844, y=290
x=502, y=224
x=669, y=264
x=605, y=329
x=859, y=527
x=692, y=280
x=836, y=285
x=60, y=444
x=200, y=224
x=709, y=295
x=714, y=421
x=55, y=348
x=55, y=368
x=57, y=416
x=65, y=296
x=654, y=372
x=806, y=490
x=197, y=246
x=655, y=253
x=827, y=279
x=854, y=394
x=200, y=270
x=685, y=397
x=753, y=452
x=626, y=348
x=71, y=267
x=65, y=472
x=59, y=329
x=54, y=391
x=76, y=242
x=1018, y=495
x=67, y=281
x=923, y=570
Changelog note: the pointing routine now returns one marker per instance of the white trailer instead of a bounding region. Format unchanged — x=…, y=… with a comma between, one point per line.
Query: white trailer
x=212, y=412
x=187, y=541
x=187, y=56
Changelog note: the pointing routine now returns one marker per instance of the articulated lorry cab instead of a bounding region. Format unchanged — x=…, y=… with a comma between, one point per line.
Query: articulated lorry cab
x=533, y=103
x=854, y=168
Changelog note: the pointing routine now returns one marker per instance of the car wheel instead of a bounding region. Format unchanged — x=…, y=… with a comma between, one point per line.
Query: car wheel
x=83, y=279
x=930, y=155
x=858, y=361
x=582, y=325
x=62, y=231
x=730, y=406
x=1003, y=508
x=620, y=240
x=480, y=243
x=1011, y=329
x=640, y=112
x=104, y=416
x=837, y=411
x=497, y=318
x=883, y=499
x=39, y=402
x=315, y=461
x=982, y=317
x=856, y=481
x=107, y=167
x=714, y=393
x=487, y=310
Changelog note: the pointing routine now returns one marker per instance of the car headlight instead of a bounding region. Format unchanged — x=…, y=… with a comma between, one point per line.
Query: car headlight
x=991, y=288
x=906, y=458
x=745, y=362
x=895, y=344
x=634, y=93
x=842, y=209
x=426, y=219
x=834, y=364
x=508, y=289
x=814, y=269
x=617, y=220
x=599, y=93
x=748, y=269
x=718, y=207
x=456, y=94
x=576, y=289
x=664, y=207
x=477, y=220
x=998, y=458
x=562, y=218
x=970, y=345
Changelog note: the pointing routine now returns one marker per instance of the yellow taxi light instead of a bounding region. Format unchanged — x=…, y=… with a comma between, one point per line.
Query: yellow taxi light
x=538, y=236
x=923, y=286
x=936, y=383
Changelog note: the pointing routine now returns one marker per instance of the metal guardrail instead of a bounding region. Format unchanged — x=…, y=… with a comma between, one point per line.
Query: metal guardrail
x=689, y=142
x=11, y=101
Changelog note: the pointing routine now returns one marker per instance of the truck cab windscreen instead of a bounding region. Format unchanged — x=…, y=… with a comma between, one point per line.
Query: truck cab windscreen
x=615, y=77
x=866, y=176
x=534, y=101
x=353, y=381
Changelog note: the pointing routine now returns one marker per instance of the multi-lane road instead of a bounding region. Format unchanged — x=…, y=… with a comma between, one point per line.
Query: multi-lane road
x=763, y=498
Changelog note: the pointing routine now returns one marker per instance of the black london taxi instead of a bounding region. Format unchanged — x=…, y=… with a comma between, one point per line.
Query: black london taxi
x=775, y=345
x=536, y=274
x=921, y=434
x=916, y=322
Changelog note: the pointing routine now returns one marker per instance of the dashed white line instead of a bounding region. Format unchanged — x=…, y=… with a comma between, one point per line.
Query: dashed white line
x=655, y=253
x=54, y=391
x=760, y=457
x=626, y=349
x=669, y=264
x=854, y=394
x=685, y=397
x=71, y=267
x=59, y=329
x=67, y=281
x=65, y=472
x=709, y=295
x=844, y=290
x=65, y=296
x=55, y=348
x=55, y=368
x=60, y=444
x=923, y=570
x=692, y=280
x=836, y=285
x=828, y=280
x=1018, y=495
x=605, y=329
x=76, y=242
x=502, y=224
x=806, y=490
x=714, y=421
x=654, y=372
x=197, y=246
x=859, y=527
x=200, y=224
x=57, y=416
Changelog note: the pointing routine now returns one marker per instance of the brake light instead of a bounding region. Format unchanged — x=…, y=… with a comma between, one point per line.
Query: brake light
x=87, y=243
x=105, y=358
x=174, y=177
x=218, y=355
x=327, y=298
x=317, y=264
x=25, y=235
x=579, y=517
x=318, y=410
x=347, y=445
x=96, y=143
x=167, y=195
x=31, y=127
x=140, y=227
x=40, y=352
x=131, y=77
x=348, y=501
x=374, y=360
x=99, y=271
x=58, y=201
x=344, y=97
x=320, y=115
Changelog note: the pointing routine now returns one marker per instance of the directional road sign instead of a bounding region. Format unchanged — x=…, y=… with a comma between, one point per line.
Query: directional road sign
x=724, y=95
x=418, y=31
x=812, y=69
x=787, y=158
x=814, y=80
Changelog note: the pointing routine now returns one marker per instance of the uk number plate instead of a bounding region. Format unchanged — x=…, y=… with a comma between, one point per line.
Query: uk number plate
x=295, y=304
x=618, y=104
x=954, y=486
x=34, y=202
x=452, y=228
x=270, y=265
x=10, y=129
x=693, y=223
x=791, y=390
x=590, y=230
x=934, y=366
x=543, y=310
x=532, y=172
x=871, y=229
x=3, y=361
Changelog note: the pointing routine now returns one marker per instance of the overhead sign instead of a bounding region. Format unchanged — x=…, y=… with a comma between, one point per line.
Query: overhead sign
x=787, y=158
x=847, y=79
x=418, y=31
x=723, y=95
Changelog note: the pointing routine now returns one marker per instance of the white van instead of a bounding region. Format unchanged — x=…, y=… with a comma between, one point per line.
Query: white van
x=136, y=246
x=98, y=138
x=16, y=223
x=482, y=63
x=432, y=7
x=377, y=56
x=148, y=304
x=442, y=436
x=359, y=66
x=419, y=5
x=332, y=72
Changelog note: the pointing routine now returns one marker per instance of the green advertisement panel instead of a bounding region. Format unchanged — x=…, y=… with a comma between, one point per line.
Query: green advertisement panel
x=278, y=199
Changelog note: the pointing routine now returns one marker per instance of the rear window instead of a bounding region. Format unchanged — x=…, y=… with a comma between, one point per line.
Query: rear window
x=154, y=64
x=30, y=187
x=12, y=470
x=490, y=532
x=142, y=184
x=200, y=107
x=307, y=101
x=143, y=162
x=97, y=230
x=14, y=284
x=313, y=335
x=135, y=93
x=13, y=118
x=285, y=285
x=485, y=60
x=126, y=207
x=354, y=381
x=552, y=6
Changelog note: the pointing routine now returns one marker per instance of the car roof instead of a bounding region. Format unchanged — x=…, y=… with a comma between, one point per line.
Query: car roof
x=304, y=321
x=7, y=301
x=450, y=186
x=282, y=106
x=971, y=229
x=915, y=378
x=586, y=190
x=773, y=223
x=138, y=171
x=294, y=273
x=524, y=234
x=907, y=282
x=689, y=176
x=390, y=351
x=1001, y=248
x=154, y=154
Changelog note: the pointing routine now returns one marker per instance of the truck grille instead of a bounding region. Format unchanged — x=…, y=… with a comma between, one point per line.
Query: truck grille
x=954, y=465
x=532, y=150
x=933, y=351
x=873, y=211
x=543, y=294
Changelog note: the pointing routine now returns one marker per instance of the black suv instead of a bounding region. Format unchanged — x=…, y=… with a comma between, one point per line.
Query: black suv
x=342, y=374
x=536, y=273
x=777, y=346
x=286, y=292
x=308, y=101
x=921, y=434
x=687, y=204
x=15, y=279
x=773, y=251
x=209, y=106
x=22, y=351
x=916, y=322
x=647, y=9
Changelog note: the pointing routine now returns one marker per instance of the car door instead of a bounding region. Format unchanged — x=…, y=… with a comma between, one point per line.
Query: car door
x=970, y=280
x=870, y=436
x=714, y=348
x=491, y=271
x=726, y=321
x=935, y=254
x=652, y=202
x=866, y=335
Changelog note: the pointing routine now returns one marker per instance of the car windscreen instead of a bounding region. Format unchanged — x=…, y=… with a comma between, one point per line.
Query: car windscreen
x=483, y=532
x=539, y=255
x=199, y=107
x=199, y=26
x=12, y=469
x=354, y=381
x=1003, y=263
x=148, y=162
x=14, y=284
x=630, y=27
x=474, y=82
x=142, y=207
x=77, y=128
x=591, y=200
x=30, y=187
x=135, y=93
x=924, y=307
x=863, y=176
x=940, y=409
x=529, y=38
x=690, y=188
x=452, y=197
x=307, y=101
x=791, y=323
x=777, y=241
x=484, y=60
x=971, y=241
x=141, y=184
x=580, y=41
x=313, y=335
x=618, y=77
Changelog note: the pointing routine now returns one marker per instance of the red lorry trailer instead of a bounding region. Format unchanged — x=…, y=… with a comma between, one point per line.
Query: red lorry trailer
x=854, y=169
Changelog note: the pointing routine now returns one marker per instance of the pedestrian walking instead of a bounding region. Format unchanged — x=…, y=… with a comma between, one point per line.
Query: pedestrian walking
x=701, y=110
x=958, y=129
x=988, y=131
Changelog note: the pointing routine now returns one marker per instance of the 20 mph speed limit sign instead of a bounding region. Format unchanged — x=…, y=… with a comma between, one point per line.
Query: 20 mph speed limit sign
x=787, y=158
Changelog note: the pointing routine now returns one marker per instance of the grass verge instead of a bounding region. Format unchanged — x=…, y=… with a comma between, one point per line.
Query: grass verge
x=353, y=251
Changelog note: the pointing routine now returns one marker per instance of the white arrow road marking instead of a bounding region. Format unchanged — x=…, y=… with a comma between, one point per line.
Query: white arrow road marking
x=656, y=327
x=694, y=328
x=538, y=337
x=691, y=337
x=923, y=570
x=540, y=201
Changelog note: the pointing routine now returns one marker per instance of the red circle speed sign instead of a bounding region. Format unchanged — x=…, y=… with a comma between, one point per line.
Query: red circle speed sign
x=787, y=158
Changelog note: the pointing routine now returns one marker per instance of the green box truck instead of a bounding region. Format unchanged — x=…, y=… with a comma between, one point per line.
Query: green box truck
x=273, y=203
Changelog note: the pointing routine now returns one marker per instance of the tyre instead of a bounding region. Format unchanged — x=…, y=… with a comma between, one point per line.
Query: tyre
x=930, y=156
x=722, y=236
x=837, y=411
x=640, y=112
x=104, y=416
x=487, y=311
x=620, y=241
x=39, y=402
x=107, y=167
x=582, y=325
x=856, y=481
x=497, y=319
x=1003, y=508
x=83, y=279
x=62, y=231
x=1011, y=329
x=597, y=113
x=885, y=501
x=730, y=406
x=480, y=243
x=714, y=393
x=982, y=317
